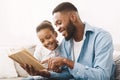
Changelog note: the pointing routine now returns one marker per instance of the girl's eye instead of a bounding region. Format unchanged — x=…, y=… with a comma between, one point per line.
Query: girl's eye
x=42, y=41
x=48, y=37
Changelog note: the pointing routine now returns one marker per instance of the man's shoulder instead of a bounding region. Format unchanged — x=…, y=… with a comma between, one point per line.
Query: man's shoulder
x=93, y=28
x=95, y=33
x=96, y=30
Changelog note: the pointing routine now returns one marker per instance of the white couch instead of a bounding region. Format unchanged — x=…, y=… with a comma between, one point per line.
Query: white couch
x=10, y=70
x=116, y=56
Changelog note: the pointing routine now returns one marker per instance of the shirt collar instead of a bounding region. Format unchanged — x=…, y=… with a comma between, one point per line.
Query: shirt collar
x=88, y=28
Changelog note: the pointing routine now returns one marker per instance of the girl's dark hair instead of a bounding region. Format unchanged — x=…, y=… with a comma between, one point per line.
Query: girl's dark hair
x=64, y=6
x=45, y=24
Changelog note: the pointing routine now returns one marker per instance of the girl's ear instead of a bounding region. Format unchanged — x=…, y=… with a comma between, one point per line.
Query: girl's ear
x=55, y=33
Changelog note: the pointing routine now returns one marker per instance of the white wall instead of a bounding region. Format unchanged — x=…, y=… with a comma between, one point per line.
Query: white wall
x=19, y=18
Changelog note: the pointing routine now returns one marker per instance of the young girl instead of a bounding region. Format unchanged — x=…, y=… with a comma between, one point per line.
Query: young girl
x=47, y=36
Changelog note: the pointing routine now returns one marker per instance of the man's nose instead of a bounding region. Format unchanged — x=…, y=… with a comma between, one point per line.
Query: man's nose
x=59, y=29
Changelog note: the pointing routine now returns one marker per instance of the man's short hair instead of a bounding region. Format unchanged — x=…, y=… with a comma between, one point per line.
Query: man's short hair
x=64, y=6
x=45, y=25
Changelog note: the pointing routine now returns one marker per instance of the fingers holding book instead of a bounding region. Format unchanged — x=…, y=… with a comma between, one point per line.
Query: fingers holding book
x=32, y=71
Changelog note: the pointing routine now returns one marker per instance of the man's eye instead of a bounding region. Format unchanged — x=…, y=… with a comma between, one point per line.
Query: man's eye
x=59, y=23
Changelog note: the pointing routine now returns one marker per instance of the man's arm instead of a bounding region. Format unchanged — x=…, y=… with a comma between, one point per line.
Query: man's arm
x=102, y=64
x=64, y=75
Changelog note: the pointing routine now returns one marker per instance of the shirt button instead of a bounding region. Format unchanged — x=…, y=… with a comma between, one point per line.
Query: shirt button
x=78, y=73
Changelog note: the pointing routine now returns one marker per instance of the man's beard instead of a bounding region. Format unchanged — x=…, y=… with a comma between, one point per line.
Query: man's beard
x=70, y=30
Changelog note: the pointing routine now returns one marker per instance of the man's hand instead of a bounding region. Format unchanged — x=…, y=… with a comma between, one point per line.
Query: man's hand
x=56, y=62
x=32, y=71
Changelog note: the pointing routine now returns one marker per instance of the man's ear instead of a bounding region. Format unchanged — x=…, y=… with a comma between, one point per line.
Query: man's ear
x=73, y=17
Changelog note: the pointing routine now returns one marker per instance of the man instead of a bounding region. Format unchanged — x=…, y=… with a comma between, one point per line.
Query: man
x=88, y=49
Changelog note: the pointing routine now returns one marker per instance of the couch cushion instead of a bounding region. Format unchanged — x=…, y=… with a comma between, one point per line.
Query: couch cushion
x=16, y=78
x=21, y=72
x=7, y=68
x=117, y=63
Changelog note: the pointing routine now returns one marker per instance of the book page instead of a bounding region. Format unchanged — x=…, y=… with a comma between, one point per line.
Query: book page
x=24, y=57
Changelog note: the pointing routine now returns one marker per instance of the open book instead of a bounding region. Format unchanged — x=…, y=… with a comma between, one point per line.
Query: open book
x=25, y=57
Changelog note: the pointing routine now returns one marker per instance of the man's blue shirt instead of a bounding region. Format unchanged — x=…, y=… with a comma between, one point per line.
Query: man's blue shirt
x=95, y=61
